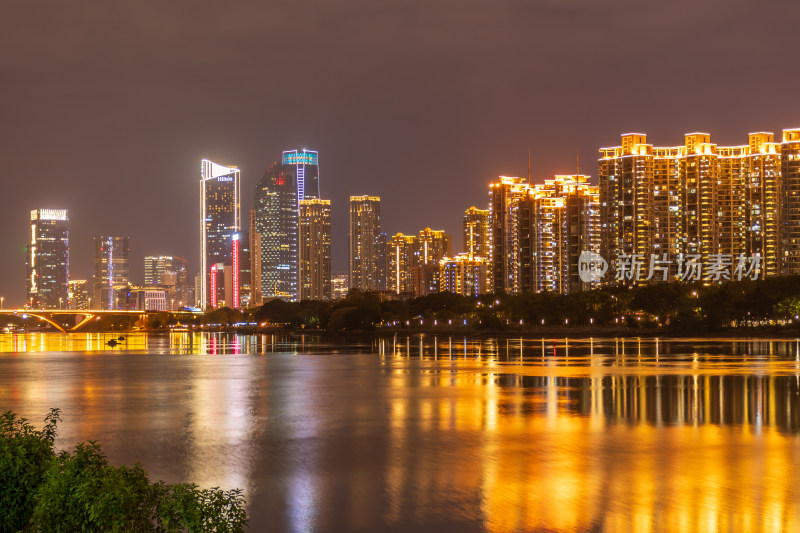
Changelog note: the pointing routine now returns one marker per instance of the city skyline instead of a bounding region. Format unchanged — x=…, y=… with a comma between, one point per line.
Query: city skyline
x=749, y=220
x=109, y=136
x=507, y=265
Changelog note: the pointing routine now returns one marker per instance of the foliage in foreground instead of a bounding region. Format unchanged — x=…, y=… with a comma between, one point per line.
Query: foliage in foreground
x=41, y=490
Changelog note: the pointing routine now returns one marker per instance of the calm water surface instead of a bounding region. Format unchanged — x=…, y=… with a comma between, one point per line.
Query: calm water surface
x=439, y=433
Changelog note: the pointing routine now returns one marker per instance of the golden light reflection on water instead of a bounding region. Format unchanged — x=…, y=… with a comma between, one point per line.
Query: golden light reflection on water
x=502, y=435
x=699, y=443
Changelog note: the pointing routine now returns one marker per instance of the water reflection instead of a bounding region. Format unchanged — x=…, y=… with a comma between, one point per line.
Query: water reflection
x=428, y=433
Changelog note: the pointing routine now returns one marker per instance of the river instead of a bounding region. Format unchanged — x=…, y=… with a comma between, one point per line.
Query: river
x=428, y=433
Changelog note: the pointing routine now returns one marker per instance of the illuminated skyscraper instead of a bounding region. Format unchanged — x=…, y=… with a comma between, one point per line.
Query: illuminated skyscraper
x=626, y=198
x=667, y=230
x=431, y=247
x=699, y=179
x=401, y=258
x=315, y=249
x=476, y=232
x=277, y=210
x=111, y=270
x=277, y=222
x=762, y=188
x=542, y=234
x=731, y=199
x=504, y=198
x=582, y=204
x=539, y=232
x=558, y=221
x=367, y=244
x=48, y=259
x=790, y=219
x=220, y=225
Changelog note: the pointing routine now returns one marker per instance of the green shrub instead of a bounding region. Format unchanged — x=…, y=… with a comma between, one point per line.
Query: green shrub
x=25, y=455
x=80, y=491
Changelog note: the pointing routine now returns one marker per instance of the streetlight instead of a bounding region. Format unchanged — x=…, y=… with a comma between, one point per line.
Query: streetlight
x=1, y=301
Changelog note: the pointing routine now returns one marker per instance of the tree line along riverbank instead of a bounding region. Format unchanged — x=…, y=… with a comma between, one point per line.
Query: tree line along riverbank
x=749, y=307
x=767, y=306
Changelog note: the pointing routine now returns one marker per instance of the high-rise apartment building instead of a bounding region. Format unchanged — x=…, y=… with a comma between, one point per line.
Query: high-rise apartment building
x=504, y=199
x=790, y=216
x=111, y=270
x=539, y=232
x=667, y=230
x=464, y=274
x=220, y=225
x=412, y=261
x=626, y=198
x=401, y=258
x=698, y=199
x=367, y=244
x=476, y=232
x=558, y=221
x=315, y=249
x=699, y=180
x=48, y=259
x=762, y=187
x=582, y=204
x=277, y=210
x=432, y=247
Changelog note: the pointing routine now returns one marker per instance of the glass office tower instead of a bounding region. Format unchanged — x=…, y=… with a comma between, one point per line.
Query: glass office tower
x=277, y=201
x=111, y=270
x=220, y=225
x=48, y=259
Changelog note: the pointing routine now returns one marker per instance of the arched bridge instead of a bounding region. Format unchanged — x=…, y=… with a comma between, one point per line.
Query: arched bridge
x=81, y=317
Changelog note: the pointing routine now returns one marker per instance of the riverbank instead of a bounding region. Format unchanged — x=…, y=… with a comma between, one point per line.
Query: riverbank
x=764, y=332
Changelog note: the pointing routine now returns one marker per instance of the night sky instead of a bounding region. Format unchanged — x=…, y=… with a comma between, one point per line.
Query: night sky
x=107, y=107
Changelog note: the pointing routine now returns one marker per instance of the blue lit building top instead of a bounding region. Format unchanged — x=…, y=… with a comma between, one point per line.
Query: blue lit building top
x=303, y=157
x=306, y=170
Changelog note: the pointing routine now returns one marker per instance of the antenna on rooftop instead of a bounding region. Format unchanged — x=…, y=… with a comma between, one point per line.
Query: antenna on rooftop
x=529, y=165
